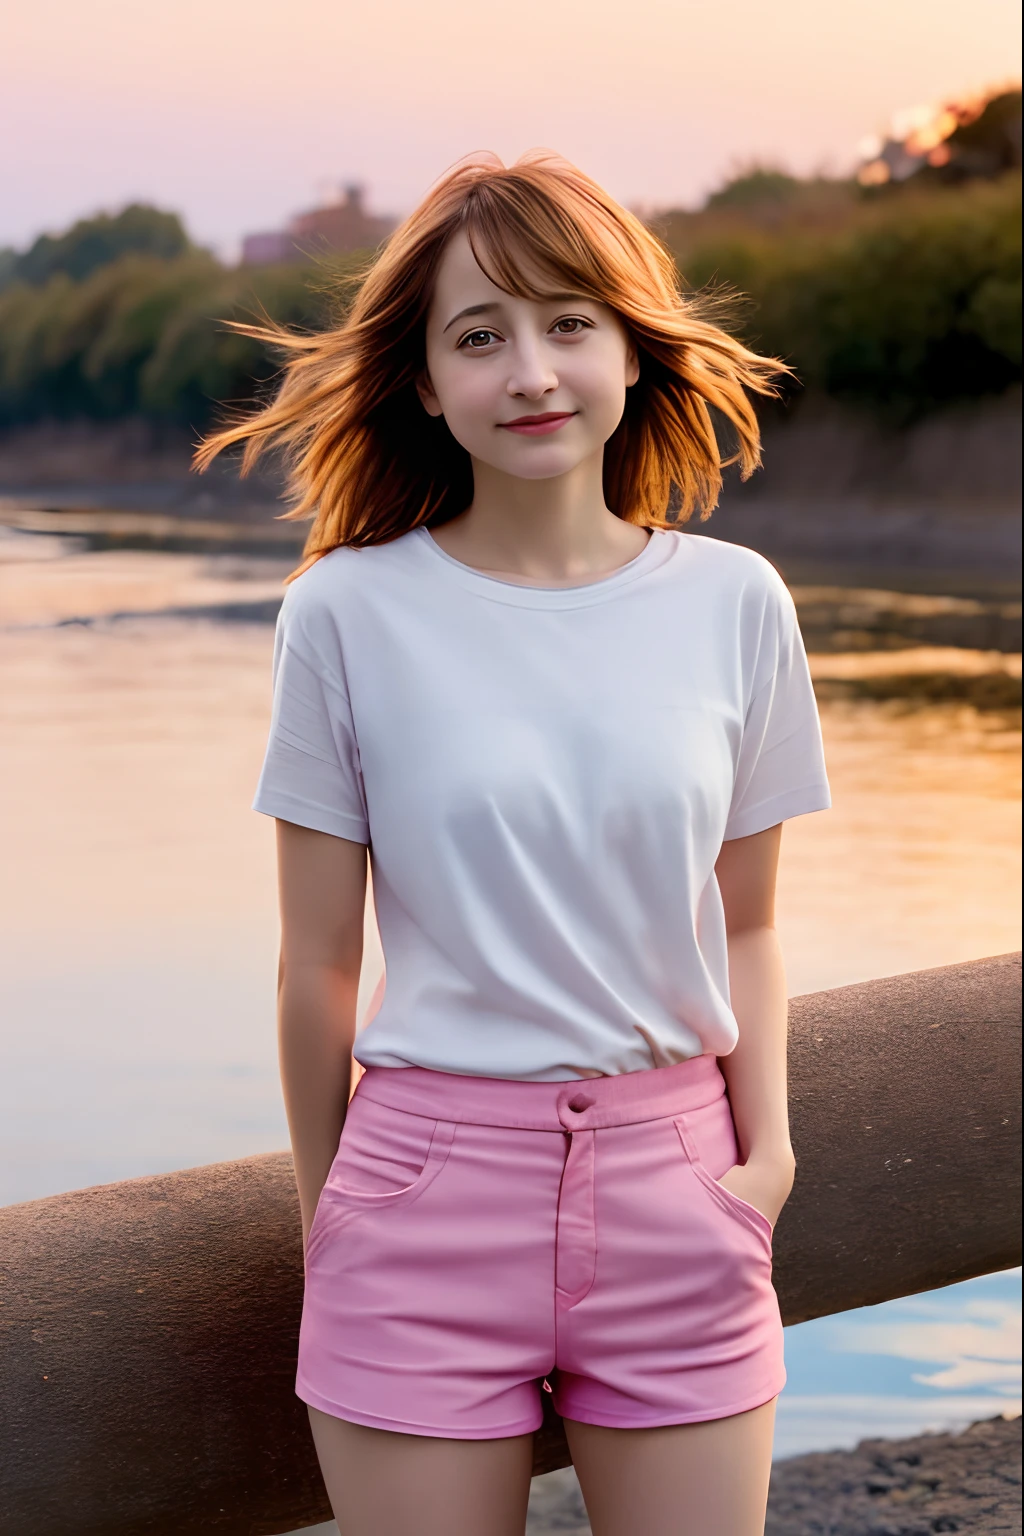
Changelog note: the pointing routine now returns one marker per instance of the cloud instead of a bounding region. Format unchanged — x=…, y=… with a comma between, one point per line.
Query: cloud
x=977, y=1343
x=965, y=1374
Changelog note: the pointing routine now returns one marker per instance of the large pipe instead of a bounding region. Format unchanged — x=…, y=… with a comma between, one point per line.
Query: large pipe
x=149, y=1328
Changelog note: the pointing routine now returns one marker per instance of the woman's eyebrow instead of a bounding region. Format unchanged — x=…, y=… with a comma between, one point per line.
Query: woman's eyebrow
x=473, y=309
x=486, y=309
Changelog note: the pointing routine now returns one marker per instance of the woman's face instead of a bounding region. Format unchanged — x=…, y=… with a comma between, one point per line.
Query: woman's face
x=530, y=387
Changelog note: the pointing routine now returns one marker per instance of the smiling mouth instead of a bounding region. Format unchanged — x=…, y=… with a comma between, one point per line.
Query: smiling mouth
x=538, y=426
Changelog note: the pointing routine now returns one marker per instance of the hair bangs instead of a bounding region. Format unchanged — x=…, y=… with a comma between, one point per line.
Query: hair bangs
x=521, y=248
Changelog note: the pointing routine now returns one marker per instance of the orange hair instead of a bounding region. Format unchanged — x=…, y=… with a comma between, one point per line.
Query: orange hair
x=369, y=464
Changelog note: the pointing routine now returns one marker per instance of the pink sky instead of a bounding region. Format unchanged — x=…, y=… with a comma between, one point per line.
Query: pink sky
x=240, y=112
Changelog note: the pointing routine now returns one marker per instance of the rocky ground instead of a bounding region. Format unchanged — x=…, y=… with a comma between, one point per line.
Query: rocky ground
x=965, y=1482
x=969, y=1482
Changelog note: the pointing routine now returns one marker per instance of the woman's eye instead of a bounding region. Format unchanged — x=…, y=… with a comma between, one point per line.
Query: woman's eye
x=570, y=326
x=478, y=339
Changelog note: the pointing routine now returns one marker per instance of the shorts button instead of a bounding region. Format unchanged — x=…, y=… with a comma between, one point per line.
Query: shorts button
x=580, y=1103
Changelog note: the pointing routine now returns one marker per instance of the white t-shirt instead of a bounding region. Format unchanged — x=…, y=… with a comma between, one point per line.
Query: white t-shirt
x=545, y=777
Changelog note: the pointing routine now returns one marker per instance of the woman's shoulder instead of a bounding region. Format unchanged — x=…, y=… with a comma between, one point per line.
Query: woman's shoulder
x=327, y=586
x=733, y=567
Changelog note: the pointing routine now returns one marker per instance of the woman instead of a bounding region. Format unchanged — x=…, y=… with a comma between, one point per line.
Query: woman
x=568, y=733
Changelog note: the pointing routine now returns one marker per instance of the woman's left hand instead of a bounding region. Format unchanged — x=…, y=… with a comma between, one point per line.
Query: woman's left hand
x=764, y=1183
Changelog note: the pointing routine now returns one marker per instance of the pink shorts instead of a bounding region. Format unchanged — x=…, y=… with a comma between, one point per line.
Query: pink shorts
x=478, y=1238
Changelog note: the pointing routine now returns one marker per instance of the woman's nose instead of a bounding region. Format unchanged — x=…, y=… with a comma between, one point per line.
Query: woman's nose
x=532, y=374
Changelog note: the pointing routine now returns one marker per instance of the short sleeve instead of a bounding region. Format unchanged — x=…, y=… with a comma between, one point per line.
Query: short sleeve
x=311, y=773
x=780, y=770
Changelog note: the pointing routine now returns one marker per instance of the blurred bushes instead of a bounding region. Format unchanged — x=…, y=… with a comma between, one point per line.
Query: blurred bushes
x=92, y=243
x=195, y=362
x=900, y=301
x=142, y=336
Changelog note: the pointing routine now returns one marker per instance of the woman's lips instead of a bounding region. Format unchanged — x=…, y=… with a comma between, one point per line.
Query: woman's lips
x=538, y=426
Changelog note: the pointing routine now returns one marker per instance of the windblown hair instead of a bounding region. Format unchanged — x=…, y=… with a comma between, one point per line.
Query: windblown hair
x=368, y=463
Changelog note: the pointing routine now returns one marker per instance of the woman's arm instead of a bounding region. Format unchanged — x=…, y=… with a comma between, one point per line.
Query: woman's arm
x=322, y=887
x=755, y=1071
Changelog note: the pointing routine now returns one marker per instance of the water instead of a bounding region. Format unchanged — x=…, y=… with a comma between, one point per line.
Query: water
x=139, y=928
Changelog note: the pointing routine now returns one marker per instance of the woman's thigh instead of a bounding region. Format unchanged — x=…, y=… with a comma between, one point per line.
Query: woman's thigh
x=707, y=1479
x=384, y=1483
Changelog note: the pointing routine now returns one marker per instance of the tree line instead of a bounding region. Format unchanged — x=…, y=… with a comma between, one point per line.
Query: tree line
x=898, y=302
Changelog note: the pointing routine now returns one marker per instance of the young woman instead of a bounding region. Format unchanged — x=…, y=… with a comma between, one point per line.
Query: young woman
x=568, y=733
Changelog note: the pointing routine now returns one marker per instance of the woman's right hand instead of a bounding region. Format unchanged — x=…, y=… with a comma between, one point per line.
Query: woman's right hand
x=322, y=881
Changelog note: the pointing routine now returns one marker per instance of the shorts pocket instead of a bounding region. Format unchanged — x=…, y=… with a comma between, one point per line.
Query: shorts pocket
x=709, y=1142
x=386, y=1158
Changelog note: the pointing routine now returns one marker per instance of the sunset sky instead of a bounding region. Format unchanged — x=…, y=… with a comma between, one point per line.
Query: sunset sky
x=240, y=112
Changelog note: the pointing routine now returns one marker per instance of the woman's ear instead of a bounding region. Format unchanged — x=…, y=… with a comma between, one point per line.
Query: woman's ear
x=428, y=399
x=632, y=364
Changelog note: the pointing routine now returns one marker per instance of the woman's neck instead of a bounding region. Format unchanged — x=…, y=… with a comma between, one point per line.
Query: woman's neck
x=556, y=532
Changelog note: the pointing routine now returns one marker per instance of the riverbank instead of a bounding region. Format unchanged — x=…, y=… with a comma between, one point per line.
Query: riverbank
x=842, y=499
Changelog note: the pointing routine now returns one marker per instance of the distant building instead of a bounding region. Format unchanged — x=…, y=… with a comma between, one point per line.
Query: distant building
x=341, y=226
x=265, y=250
